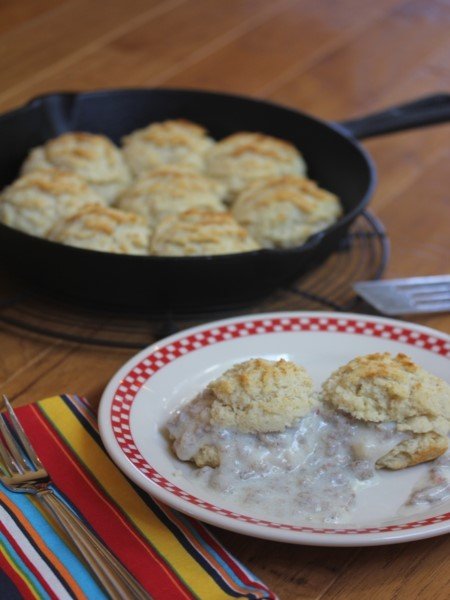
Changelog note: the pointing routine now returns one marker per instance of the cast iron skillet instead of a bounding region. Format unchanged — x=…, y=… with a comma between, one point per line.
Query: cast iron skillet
x=334, y=158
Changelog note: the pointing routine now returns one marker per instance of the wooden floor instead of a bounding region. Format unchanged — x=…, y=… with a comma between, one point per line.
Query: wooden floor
x=333, y=58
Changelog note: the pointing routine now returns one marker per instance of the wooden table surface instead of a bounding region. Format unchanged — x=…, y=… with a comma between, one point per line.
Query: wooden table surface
x=334, y=59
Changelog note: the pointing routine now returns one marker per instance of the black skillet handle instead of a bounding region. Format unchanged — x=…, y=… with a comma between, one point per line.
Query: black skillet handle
x=426, y=111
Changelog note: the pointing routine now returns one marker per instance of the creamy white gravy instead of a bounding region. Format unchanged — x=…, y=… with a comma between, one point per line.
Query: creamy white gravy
x=434, y=486
x=308, y=472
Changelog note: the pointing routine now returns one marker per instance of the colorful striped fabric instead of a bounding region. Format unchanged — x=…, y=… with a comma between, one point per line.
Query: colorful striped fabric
x=173, y=556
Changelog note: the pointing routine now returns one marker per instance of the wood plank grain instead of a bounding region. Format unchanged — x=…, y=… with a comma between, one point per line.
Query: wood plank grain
x=405, y=572
x=18, y=351
x=302, y=35
x=14, y=13
x=148, y=49
x=72, y=28
x=400, y=158
x=64, y=370
x=364, y=71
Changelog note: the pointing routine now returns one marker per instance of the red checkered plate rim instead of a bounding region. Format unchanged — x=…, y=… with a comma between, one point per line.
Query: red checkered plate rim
x=118, y=399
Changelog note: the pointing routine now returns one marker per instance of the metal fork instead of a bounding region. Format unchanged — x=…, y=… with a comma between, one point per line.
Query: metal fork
x=22, y=471
x=411, y=295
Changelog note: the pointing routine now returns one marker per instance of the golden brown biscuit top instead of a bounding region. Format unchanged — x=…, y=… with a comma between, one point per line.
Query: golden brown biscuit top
x=260, y=395
x=54, y=182
x=198, y=232
x=202, y=226
x=243, y=143
x=380, y=365
x=174, y=180
x=255, y=376
x=102, y=219
x=381, y=387
x=297, y=190
x=176, y=132
x=37, y=200
x=90, y=155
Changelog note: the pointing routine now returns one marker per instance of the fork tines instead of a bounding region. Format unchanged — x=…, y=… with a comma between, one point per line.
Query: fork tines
x=15, y=448
x=412, y=295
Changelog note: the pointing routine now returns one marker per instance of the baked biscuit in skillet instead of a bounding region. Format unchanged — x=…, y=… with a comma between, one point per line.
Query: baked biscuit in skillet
x=104, y=229
x=92, y=157
x=34, y=202
x=200, y=233
x=172, y=142
x=282, y=212
x=244, y=158
x=171, y=190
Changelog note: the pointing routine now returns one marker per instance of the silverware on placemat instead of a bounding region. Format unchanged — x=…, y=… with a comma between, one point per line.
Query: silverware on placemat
x=412, y=295
x=22, y=471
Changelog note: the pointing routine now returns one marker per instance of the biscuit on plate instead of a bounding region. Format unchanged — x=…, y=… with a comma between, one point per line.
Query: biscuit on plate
x=281, y=212
x=171, y=190
x=261, y=396
x=93, y=157
x=200, y=233
x=34, y=202
x=207, y=456
x=105, y=229
x=175, y=142
x=257, y=396
x=384, y=388
x=243, y=158
x=423, y=447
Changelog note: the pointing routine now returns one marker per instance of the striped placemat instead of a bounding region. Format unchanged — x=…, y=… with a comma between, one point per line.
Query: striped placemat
x=173, y=556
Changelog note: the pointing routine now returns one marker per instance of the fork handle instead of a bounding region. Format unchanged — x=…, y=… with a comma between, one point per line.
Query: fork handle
x=110, y=573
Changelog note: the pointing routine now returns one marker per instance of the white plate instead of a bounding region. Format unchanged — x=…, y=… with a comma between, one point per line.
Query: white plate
x=141, y=396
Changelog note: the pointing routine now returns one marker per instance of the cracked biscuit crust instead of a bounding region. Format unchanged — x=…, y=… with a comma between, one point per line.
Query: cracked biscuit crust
x=285, y=211
x=382, y=387
x=422, y=447
x=385, y=388
x=35, y=202
x=104, y=229
x=260, y=396
x=92, y=157
x=171, y=190
x=176, y=142
x=243, y=158
x=200, y=233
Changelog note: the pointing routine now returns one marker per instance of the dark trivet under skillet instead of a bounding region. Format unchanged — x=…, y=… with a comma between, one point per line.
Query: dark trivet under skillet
x=362, y=255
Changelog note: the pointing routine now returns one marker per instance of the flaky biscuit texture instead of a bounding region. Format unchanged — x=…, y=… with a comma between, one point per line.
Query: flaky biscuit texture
x=422, y=447
x=259, y=396
x=200, y=233
x=384, y=388
x=381, y=387
x=282, y=212
x=244, y=158
x=172, y=142
x=171, y=190
x=104, y=229
x=92, y=157
x=36, y=201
